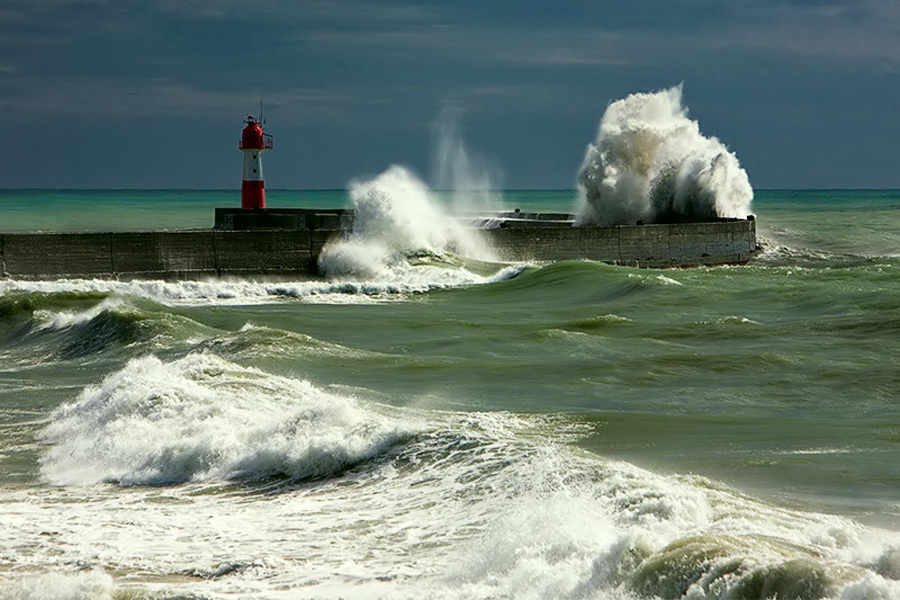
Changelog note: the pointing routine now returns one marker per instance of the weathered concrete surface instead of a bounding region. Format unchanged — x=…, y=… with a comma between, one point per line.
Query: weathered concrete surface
x=193, y=254
x=157, y=254
x=310, y=219
x=653, y=246
x=27, y=255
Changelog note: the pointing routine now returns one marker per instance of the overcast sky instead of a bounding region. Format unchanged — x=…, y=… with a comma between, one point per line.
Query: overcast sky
x=153, y=93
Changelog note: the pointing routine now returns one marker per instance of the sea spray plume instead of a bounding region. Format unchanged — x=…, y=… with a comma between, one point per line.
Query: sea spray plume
x=397, y=217
x=650, y=162
x=471, y=179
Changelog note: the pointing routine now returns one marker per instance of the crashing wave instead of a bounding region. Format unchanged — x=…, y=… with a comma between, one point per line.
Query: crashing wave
x=651, y=163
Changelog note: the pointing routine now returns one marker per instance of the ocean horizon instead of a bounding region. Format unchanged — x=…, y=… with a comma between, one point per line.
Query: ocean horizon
x=81, y=210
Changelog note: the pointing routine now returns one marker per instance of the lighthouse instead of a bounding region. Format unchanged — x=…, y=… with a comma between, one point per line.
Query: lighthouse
x=253, y=143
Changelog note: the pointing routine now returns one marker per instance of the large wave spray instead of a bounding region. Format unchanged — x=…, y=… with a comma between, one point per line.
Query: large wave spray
x=397, y=219
x=400, y=222
x=650, y=162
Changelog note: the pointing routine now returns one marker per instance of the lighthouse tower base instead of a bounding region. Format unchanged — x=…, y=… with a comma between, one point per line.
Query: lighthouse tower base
x=253, y=195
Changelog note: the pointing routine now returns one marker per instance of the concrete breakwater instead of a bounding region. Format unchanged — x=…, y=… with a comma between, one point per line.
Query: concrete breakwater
x=288, y=245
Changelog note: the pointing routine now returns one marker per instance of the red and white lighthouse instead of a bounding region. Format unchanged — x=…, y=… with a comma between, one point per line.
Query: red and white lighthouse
x=253, y=143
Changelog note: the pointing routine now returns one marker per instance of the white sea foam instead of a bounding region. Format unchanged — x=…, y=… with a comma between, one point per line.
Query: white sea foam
x=399, y=222
x=464, y=506
x=389, y=284
x=668, y=280
x=202, y=418
x=650, y=162
x=90, y=585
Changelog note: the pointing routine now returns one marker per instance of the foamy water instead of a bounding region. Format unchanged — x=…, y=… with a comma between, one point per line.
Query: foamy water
x=55, y=321
x=202, y=418
x=296, y=489
x=387, y=281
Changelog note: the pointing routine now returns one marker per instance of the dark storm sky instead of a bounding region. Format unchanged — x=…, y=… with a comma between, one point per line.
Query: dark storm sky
x=152, y=94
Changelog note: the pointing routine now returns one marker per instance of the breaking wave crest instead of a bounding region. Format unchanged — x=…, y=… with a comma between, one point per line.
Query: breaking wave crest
x=561, y=525
x=650, y=162
x=202, y=418
x=66, y=326
x=422, y=274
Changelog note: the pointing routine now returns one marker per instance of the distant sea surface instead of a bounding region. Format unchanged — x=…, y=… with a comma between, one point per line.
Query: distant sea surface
x=444, y=428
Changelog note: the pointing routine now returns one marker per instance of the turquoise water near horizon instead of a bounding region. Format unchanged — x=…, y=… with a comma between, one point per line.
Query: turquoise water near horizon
x=102, y=210
x=458, y=429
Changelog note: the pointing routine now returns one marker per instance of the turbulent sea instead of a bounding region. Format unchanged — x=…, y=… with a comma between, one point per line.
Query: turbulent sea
x=446, y=428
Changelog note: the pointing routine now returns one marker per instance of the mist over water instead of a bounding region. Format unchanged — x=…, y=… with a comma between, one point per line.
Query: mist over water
x=470, y=179
x=651, y=163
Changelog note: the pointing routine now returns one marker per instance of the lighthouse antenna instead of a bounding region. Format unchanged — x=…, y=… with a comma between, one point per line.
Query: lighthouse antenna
x=261, y=119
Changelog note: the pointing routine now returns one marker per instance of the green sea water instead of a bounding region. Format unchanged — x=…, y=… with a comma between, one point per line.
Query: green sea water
x=568, y=429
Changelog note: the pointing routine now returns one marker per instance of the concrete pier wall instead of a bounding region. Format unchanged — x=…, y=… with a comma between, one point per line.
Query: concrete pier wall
x=652, y=246
x=159, y=254
x=195, y=254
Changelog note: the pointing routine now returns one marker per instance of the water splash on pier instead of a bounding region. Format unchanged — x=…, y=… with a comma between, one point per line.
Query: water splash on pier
x=651, y=163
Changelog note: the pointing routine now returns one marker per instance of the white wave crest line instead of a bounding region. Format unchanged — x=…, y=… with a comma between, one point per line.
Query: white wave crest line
x=390, y=286
x=202, y=418
x=819, y=451
x=57, y=321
